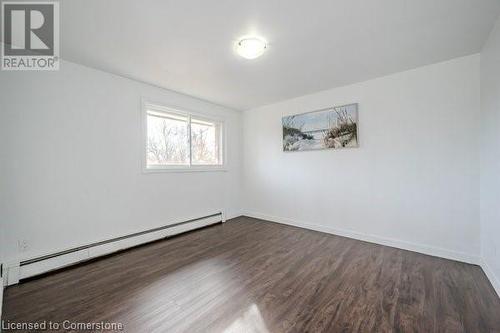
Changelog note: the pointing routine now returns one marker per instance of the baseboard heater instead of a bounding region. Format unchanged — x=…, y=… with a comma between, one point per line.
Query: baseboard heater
x=39, y=265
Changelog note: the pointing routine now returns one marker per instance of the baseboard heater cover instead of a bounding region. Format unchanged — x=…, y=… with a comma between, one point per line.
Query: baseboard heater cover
x=74, y=255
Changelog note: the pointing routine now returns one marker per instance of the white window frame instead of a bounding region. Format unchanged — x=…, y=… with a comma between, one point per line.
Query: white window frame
x=160, y=107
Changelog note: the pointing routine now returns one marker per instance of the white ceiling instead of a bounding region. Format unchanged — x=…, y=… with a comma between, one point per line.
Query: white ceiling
x=187, y=45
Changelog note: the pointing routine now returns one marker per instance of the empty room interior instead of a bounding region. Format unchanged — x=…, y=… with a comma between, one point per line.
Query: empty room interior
x=258, y=166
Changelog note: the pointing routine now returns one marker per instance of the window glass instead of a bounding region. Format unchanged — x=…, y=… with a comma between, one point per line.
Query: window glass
x=205, y=142
x=168, y=142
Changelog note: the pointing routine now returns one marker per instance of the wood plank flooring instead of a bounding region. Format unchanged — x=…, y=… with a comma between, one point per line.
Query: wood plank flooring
x=249, y=275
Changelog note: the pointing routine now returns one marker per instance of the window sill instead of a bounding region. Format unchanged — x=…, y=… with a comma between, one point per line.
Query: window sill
x=181, y=170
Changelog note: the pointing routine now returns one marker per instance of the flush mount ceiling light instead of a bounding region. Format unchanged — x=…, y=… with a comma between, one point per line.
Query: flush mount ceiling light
x=251, y=47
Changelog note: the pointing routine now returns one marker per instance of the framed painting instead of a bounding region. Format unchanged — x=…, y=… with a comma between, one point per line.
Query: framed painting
x=330, y=128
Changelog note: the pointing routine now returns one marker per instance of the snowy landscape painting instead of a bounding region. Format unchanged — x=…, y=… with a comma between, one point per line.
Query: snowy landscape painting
x=331, y=128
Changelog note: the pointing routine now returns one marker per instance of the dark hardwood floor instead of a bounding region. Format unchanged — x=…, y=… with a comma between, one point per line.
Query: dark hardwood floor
x=249, y=275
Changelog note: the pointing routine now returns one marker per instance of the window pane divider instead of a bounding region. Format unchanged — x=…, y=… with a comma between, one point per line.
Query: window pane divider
x=189, y=142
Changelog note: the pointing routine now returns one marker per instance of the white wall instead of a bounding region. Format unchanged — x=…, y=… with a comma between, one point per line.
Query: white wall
x=490, y=156
x=414, y=181
x=71, y=149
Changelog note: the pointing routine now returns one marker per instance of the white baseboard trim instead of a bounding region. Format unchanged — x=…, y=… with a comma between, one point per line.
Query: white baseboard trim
x=414, y=247
x=494, y=280
x=233, y=216
x=15, y=272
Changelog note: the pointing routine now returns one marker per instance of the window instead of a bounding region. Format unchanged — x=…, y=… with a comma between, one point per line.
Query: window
x=181, y=140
